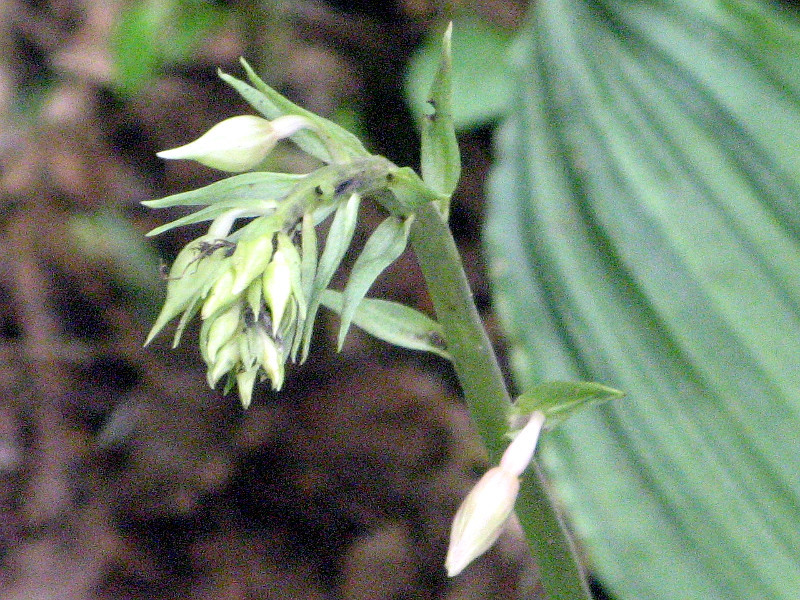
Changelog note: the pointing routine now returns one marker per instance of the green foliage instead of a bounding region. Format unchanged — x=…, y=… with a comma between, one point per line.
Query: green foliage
x=151, y=33
x=256, y=190
x=383, y=247
x=393, y=323
x=439, y=154
x=109, y=236
x=336, y=244
x=480, y=75
x=644, y=231
x=561, y=399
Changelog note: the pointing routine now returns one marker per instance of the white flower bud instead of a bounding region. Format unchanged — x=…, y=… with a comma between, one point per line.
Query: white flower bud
x=520, y=451
x=245, y=382
x=239, y=143
x=294, y=261
x=485, y=510
x=481, y=518
x=226, y=359
x=253, y=295
x=249, y=260
x=219, y=296
x=270, y=359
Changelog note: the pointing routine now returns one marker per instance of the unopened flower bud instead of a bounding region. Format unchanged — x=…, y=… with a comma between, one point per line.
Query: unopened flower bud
x=253, y=295
x=520, y=451
x=277, y=287
x=294, y=261
x=245, y=382
x=239, y=143
x=270, y=359
x=249, y=260
x=222, y=329
x=226, y=359
x=219, y=296
x=481, y=518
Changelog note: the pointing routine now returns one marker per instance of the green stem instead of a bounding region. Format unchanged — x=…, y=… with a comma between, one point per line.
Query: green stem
x=487, y=399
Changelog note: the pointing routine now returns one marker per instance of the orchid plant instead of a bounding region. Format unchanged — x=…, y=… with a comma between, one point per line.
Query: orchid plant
x=257, y=279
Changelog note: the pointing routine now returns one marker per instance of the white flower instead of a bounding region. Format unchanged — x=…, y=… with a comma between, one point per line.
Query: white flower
x=238, y=144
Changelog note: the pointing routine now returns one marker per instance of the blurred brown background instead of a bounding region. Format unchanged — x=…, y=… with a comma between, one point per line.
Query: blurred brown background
x=121, y=475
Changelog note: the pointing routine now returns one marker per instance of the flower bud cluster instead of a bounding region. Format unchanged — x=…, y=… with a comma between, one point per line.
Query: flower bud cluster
x=252, y=313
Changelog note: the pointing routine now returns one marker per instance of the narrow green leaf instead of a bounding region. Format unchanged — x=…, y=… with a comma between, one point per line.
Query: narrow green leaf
x=328, y=136
x=305, y=140
x=209, y=213
x=191, y=310
x=336, y=244
x=308, y=270
x=393, y=323
x=560, y=399
x=245, y=188
x=383, y=247
x=482, y=80
x=338, y=135
x=440, y=158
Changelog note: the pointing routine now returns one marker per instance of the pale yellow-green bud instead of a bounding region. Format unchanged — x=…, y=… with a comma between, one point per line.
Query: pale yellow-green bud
x=226, y=359
x=222, y=329
x=249, y=260
x=239, y=143
x=248, y=349
x=520, y=451
x=245, y=382
x=277, y=287
x=294, y=261
x=254, y=295
x=271, y=359
x=480, y=518
x=219, y=296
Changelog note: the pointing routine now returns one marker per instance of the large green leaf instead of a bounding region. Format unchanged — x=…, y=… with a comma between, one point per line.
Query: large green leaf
x=644, y=232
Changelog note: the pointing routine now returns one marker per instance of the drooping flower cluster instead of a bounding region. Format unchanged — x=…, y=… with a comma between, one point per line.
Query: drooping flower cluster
x=246, y=288
x=251, y=315
x=255, y=278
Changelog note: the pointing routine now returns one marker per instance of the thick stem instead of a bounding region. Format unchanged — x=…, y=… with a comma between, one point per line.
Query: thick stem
x=487, y=399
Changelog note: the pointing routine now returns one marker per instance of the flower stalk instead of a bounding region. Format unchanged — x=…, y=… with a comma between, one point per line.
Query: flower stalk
x=488, y=401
